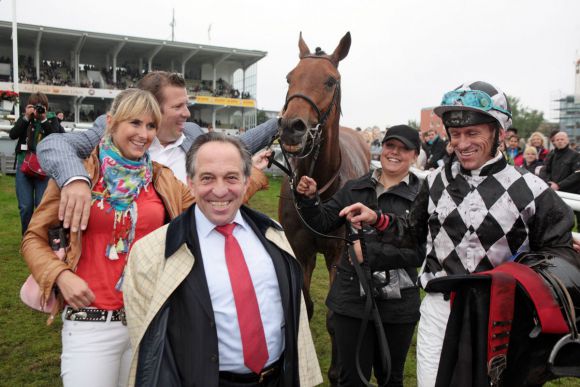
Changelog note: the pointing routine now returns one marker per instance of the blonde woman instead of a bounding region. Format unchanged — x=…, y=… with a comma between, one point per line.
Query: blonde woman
x=538, y=141
x=531, y=161
x=132, y=196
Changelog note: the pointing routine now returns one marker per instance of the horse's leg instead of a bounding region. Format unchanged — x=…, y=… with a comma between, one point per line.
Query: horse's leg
x=308, y=265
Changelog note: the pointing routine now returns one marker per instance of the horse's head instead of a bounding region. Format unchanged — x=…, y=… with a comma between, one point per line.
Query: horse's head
x=313, y=97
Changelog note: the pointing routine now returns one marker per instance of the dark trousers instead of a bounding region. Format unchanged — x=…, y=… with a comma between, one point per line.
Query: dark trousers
x=346, y=330
x=29, y=193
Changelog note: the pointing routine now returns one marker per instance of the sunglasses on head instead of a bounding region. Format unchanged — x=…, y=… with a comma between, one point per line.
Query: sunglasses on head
x=472, y=98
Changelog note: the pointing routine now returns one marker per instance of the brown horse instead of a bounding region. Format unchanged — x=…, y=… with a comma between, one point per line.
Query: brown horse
x=318, y=147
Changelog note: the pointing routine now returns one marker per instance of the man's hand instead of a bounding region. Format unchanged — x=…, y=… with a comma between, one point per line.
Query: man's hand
x=75, y=205
x=307, y=187
x=554, y=186
x=358, y=213
x=29, y=112
x=261, y=159
x=75, y=290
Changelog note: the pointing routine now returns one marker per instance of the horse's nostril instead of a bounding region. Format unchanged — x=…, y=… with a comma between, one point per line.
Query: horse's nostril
x=297, y=125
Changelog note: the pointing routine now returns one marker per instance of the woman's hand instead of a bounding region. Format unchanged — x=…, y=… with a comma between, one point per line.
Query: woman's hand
x=307, y=187
x=75, y=290
x=261, y=159
x=357, y=214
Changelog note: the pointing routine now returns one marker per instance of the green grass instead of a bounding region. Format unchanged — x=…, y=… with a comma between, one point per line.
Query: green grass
x=30, y=351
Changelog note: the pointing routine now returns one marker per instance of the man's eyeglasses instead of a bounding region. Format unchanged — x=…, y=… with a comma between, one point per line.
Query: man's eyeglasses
x=472, y=98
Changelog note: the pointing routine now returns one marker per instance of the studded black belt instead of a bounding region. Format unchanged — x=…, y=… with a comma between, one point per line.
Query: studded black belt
x=95, y=315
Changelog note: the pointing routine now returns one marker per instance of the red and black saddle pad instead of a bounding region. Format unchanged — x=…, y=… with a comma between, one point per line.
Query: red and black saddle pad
x=478, y=331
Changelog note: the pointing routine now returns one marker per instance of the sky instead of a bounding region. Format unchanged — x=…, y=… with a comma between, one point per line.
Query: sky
x=405, y=54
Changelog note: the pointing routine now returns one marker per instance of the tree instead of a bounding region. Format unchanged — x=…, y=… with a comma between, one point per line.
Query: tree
x=261, y=117
x=413, y=124
x=526, y=120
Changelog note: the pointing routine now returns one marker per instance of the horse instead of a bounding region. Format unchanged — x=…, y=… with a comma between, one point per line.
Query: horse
x=317, y=146
x=537, y=346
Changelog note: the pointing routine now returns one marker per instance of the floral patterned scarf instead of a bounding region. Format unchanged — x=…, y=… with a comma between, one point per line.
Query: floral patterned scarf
x=122, y=180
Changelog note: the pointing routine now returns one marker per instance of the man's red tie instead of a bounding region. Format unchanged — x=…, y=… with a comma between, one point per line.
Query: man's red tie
x=249, y=318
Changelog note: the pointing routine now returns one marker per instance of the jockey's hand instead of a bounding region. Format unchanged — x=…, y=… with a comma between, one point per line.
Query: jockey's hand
x=75, y=290
x=576, y=244
x=260, y=159
x=307, y=187
x=359, y=213
x=75, y=205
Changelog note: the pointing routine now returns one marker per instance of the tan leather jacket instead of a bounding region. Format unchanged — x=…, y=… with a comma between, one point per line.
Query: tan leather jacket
x=43, y=263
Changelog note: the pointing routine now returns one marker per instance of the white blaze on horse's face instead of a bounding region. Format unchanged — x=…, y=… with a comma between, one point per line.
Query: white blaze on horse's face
x=313, y=97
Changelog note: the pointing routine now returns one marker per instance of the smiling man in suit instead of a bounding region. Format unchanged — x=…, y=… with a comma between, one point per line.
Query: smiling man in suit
x=214, y=298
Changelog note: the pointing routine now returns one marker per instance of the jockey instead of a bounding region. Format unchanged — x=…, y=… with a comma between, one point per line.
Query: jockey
x=474, y=213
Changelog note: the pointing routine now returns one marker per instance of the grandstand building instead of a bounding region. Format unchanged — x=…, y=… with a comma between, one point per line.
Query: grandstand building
x=81, y=72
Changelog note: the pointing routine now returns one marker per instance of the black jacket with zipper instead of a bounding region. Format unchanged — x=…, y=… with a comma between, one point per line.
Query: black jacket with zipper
x=344, y=296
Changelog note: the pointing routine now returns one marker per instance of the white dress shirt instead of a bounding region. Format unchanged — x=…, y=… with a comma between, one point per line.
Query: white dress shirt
x=263, y=274
x=172, y=156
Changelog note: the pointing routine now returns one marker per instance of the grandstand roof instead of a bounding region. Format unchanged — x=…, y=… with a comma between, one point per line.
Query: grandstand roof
x=62, y=41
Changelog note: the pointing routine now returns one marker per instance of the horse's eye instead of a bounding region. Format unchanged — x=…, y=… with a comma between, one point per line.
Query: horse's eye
x=330, y=82
x=288, y=79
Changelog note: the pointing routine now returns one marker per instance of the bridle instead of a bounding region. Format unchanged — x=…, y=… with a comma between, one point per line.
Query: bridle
x=315, y=140
x=314, y=134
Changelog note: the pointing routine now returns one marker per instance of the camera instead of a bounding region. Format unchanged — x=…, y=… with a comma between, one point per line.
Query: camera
x=40, y=109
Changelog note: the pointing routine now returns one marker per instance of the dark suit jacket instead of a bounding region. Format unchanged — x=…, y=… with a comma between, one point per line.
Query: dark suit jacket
x=180, y=347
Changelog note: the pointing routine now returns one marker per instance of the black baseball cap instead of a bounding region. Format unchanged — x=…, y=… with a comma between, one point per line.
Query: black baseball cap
x=405, y=134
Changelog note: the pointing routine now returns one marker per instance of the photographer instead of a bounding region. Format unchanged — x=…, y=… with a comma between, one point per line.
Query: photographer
x=30, y=129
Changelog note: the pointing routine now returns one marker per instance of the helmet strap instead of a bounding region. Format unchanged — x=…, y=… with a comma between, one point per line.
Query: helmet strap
x=495, y=141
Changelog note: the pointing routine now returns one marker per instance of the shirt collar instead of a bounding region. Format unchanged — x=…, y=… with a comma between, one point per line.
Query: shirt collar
x=178, y=142
x=205, y=226
x=486, y=169
x=376, y=176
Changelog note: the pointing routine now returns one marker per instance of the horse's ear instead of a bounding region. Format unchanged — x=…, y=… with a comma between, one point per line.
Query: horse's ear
x=341, y=51
x=304, y=50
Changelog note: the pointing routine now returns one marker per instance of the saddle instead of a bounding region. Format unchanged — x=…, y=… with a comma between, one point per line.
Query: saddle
x=477, y=339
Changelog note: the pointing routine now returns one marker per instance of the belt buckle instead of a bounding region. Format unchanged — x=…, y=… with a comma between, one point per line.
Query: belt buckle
x=80, y=315
x=263, y=374
x=123, y=316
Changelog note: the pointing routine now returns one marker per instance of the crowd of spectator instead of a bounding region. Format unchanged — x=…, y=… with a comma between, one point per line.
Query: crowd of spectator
x=556, y=166
x=60, y=73
x=222, y=89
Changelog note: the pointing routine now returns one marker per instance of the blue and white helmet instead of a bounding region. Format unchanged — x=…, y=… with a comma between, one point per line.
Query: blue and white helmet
x=480, y=97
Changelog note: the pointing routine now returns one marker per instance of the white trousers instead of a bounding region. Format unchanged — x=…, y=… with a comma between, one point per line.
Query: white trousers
x=430, y=334
x=95, y=354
